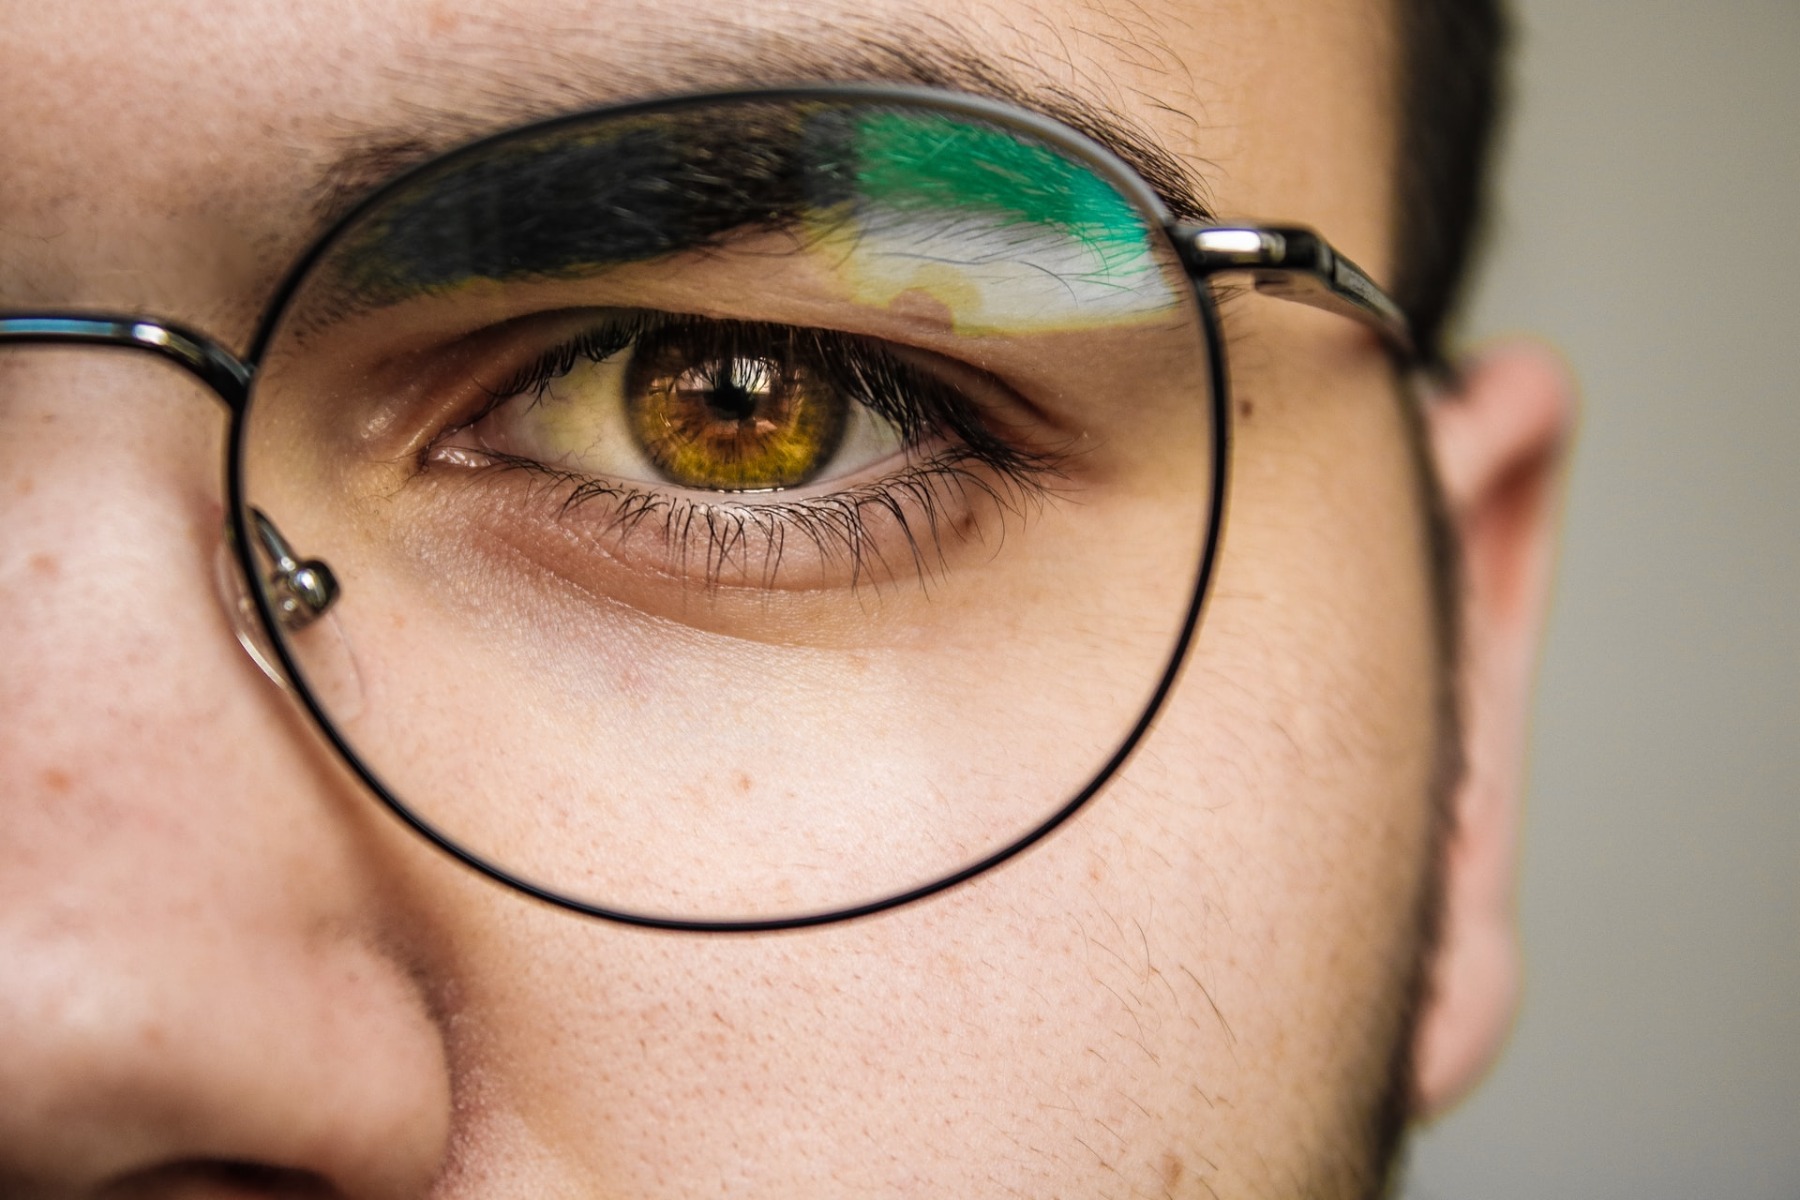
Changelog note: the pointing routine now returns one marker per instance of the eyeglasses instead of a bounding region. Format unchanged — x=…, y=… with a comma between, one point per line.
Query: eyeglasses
x=739, y=511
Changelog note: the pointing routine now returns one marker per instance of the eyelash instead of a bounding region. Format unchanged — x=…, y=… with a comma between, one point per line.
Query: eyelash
x=975, y=464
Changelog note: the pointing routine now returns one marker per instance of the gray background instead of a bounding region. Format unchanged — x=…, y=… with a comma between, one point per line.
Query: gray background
x=1650, y=225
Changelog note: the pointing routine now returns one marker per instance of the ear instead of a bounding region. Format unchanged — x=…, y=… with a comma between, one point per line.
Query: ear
x=1499, y=442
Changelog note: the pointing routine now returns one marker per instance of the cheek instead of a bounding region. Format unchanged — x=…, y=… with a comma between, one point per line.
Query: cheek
x=1036, y=1034
x=1310, y=724
x=1139, y=996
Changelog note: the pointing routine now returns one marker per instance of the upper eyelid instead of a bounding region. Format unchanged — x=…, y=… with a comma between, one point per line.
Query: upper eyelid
x=477, y=390
x=538, y=368
x=548, y=364
x=943, y=406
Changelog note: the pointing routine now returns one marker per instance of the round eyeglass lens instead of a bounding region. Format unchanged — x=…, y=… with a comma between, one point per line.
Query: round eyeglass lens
x=744, y=509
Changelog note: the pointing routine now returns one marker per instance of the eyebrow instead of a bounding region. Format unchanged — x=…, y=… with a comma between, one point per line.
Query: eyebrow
x=932, y=57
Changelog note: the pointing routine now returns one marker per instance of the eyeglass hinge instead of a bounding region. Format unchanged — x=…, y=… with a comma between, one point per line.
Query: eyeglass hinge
x=1276, y=258
x=1294, y=263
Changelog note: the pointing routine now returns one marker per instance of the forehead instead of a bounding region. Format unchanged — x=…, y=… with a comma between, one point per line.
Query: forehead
x=198, y=147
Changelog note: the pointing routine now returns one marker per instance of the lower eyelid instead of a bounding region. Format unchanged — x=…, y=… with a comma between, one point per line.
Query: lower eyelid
x=454, y=456
x=634, y=540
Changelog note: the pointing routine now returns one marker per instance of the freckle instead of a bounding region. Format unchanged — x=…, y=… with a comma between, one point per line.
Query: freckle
x=1095, y=872
x=444, y=20
x=1172, y=1170
x=57, y=781
x=1246, y=408
x=926, y=309
x=45, y=565
x=27, y=486
x=743, y=782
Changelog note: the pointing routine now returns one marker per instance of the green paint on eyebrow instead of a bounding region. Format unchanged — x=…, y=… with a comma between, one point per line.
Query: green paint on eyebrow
x=912, y=160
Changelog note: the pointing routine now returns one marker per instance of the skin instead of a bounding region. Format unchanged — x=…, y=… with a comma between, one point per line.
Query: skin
x=219, y=952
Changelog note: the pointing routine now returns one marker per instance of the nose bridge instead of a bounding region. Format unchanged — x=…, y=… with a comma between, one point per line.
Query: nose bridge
x=110, y=491
x=186, y=891
x=226, y=375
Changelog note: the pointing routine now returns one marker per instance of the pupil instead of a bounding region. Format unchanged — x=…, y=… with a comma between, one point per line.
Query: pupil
x=731, y=401
x=737, y=391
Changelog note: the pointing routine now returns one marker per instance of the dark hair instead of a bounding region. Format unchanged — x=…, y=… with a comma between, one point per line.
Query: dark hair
x=1451, y=93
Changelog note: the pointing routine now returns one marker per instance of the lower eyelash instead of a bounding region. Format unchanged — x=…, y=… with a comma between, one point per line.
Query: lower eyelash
x=838, y=526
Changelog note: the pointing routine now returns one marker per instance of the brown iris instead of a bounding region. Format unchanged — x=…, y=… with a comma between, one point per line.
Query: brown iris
x=732, y=413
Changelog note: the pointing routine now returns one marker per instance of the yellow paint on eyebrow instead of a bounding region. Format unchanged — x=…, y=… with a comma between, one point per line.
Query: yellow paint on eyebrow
x=998, y=231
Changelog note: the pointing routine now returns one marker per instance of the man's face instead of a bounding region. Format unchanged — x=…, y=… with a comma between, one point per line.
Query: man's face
x=229, y=973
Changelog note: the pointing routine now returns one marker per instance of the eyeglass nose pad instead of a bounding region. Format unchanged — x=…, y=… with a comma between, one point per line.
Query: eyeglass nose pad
x=320, y=645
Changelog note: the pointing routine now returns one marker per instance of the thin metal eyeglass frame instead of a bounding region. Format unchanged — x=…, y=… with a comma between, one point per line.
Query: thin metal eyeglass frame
x=1290, y=262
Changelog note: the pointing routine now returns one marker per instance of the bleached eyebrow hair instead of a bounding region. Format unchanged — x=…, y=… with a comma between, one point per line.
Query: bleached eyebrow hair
x=929, y=56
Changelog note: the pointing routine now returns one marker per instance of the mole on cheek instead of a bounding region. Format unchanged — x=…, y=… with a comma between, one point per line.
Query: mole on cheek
x=1172, y=1170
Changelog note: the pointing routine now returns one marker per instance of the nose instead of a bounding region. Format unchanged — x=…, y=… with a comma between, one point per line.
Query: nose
x=201, y=990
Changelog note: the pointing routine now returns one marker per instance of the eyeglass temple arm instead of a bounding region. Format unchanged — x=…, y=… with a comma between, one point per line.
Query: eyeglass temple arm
x=1295, y=263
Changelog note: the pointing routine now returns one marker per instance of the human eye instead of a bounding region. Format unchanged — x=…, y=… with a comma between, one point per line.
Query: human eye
x=741, y=454
x=767, y=369
x=707, y=407
x=828, y=441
